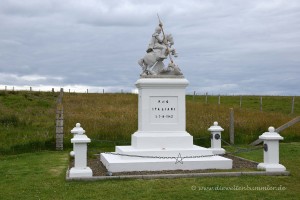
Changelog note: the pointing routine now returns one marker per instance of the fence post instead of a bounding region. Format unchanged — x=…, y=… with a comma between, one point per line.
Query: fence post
x=240, y=101
x=60, y=122
x=293, y=103
x=219, y=100
x=87, y=91
x=194, y=95
x=206, y=98
x=231, y=127
x=261, y=103
x=30, y=89
x=103, y=91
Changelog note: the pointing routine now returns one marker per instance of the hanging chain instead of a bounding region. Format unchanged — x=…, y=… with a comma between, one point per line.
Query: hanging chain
x=179, y=158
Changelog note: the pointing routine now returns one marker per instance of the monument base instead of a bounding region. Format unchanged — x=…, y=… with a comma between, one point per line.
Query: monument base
x=271, y=167
x=80, y=172
x=172, y=139
x=162, y=142
x=219, y=151
x=128, y=159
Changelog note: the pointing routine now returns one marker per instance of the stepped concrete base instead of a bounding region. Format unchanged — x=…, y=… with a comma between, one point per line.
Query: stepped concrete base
x=162, y=133
x=157, y=139
x=117, y=163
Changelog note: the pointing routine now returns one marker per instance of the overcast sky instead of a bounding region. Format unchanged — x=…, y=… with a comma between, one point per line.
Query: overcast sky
x=226, y=47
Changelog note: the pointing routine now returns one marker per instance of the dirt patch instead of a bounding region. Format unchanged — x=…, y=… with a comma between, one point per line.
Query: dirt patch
x=99, y=169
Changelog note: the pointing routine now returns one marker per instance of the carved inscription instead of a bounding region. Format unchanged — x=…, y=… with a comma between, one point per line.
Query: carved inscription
x=163, y=109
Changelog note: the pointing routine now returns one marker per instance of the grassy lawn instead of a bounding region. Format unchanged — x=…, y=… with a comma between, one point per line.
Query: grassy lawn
x=27, y=124
x=42, y=176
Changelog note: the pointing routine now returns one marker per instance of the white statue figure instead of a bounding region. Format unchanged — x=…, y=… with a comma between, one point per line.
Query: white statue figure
x=158, y=50
x=157, y=43
x=172, y=69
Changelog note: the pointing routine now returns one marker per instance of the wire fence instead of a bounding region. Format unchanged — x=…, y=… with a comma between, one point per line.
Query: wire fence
x=67, y=90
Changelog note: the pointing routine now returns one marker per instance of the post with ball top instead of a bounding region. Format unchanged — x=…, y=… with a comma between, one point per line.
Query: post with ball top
x=271, y=151
x=215, y=139
x=79, y=153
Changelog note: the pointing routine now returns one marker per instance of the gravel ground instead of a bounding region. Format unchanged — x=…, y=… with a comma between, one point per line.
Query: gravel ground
x=100, y=170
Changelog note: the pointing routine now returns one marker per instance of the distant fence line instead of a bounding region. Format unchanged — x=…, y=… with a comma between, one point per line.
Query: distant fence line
x=241, y=100
x=30, y=88
x=60, y=110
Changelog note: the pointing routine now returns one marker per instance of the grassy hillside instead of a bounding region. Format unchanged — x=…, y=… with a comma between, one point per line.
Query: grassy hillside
x=280, y=104
x=249, y=121
x=114, y=116
x=27, y=119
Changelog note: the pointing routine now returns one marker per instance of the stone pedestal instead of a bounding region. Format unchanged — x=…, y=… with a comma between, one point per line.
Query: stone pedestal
x=161, y=141
x=161, y=117
x=80, y=141
x=271, y=151
x=215, y=139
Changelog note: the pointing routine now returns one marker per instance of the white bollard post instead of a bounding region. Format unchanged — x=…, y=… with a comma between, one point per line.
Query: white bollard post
x=80, y=141
x=215, y=139
x=271, y=151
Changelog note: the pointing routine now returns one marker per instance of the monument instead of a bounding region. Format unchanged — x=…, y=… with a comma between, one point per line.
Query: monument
x=161, y=141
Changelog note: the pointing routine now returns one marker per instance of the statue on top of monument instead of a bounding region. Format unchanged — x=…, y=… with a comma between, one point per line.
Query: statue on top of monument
x=159, y=48
x=157, y=42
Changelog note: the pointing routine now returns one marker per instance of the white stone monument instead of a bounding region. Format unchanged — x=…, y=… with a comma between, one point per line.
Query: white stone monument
x=80, y=141
x=161, y=141
x=215, y=139
x=271, y=151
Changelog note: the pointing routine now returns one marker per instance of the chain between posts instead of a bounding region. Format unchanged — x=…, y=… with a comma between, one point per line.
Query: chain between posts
x=159, y=157
x=174, y=157
x=179, y=158
x=240, y=150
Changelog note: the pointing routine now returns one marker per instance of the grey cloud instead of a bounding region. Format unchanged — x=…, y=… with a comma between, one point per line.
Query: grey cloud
x=224, y=46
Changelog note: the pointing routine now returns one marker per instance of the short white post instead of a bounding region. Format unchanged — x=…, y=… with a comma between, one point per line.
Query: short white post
x=215, y=139
x=271, y=151
x=80, y=141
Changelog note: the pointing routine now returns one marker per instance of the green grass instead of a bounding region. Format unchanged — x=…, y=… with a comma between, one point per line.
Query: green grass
x=42, y=176
x=114, y=117
x=27, y=119
x=27, y=124
x=278, y=104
